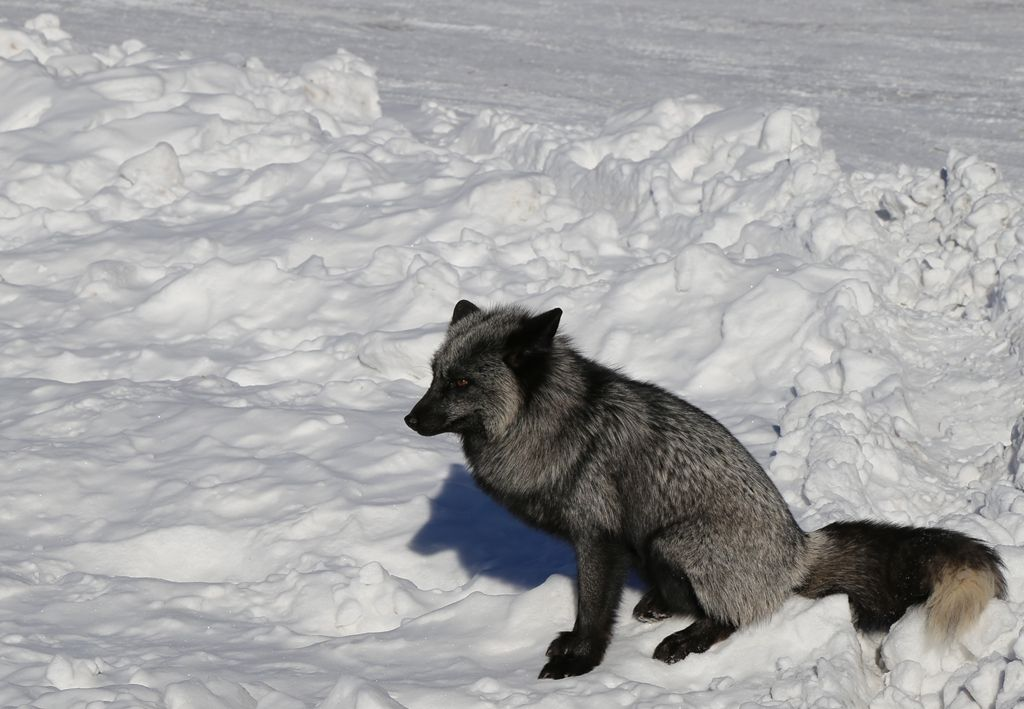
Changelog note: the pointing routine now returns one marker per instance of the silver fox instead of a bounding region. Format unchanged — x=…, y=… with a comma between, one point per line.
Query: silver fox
x=632, y=475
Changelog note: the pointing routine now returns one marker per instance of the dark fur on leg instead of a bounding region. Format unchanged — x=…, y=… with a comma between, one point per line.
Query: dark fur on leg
x=602, y=566
x=651, y=608
x=671, y=594
x=697, y=637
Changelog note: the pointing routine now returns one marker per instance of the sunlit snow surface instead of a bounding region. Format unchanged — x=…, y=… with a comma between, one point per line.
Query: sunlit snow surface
x=220, y=290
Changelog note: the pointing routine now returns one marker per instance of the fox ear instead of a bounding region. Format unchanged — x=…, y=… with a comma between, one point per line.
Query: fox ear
x=532, y=339
x=462, y=309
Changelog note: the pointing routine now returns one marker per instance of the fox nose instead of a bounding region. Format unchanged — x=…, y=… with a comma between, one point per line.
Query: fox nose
x=411, y=421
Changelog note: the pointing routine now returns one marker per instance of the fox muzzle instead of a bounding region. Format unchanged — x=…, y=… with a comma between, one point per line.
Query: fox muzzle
x=425, y=420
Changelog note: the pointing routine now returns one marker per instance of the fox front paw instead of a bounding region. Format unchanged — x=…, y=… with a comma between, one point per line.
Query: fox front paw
x=571, y=654
x=569, y=643
x=567, y=666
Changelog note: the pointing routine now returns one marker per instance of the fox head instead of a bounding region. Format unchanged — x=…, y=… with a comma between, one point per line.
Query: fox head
x=485, y=370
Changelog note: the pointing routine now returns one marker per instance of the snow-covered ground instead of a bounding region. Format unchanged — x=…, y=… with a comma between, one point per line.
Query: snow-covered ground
x=895, y=81
x=221, y=284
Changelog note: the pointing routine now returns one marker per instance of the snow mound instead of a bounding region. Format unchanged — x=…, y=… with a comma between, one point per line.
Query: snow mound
x=220, y=289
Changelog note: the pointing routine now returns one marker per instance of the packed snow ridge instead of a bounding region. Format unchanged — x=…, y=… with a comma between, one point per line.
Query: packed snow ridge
x=220, y=287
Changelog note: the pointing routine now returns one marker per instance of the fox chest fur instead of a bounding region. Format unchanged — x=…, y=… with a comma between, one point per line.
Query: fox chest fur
x=542, y=484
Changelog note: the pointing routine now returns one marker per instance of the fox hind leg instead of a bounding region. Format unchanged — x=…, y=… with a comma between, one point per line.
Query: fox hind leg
x=692, y=581
x=673, y=594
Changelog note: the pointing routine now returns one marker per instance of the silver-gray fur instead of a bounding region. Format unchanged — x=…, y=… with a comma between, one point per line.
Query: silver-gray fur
x=633, y=475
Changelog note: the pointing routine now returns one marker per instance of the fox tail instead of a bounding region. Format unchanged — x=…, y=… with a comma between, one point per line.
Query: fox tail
x=886, y=568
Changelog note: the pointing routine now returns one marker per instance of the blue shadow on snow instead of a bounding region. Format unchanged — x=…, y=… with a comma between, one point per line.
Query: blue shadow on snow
x=487, y=538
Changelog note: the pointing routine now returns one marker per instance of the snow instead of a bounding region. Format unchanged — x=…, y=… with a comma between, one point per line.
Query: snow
x=895, y=82
x=221, y=285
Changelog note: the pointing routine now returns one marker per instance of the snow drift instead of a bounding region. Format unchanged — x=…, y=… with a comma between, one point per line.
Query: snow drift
x=220, y=288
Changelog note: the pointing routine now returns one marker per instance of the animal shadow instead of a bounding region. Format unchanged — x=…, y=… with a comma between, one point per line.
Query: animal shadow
x=487, y=538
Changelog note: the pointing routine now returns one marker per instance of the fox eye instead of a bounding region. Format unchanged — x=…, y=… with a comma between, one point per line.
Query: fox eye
x=460, y=383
